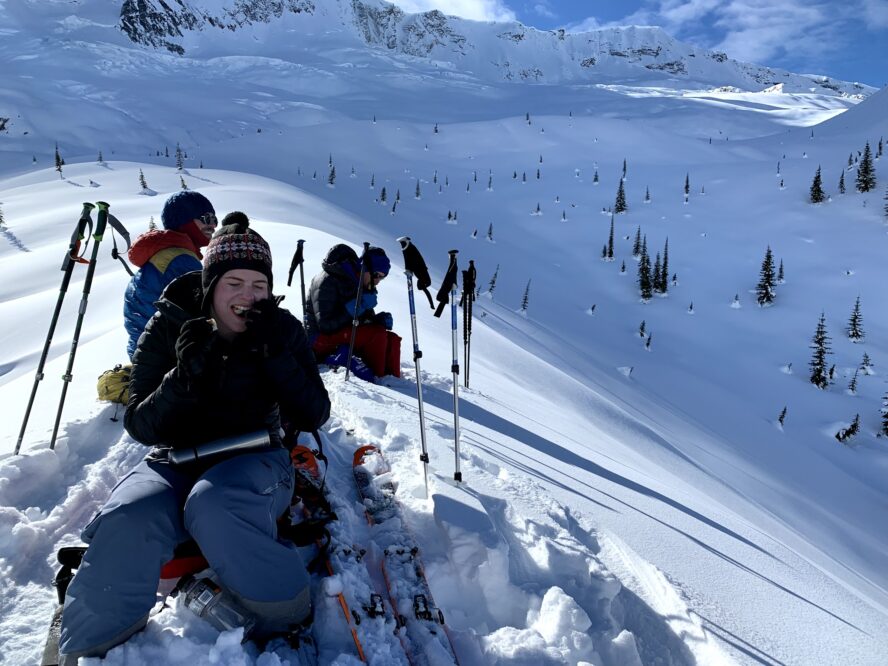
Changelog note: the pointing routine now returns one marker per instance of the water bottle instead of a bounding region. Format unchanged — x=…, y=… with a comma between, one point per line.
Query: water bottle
x=206, y=599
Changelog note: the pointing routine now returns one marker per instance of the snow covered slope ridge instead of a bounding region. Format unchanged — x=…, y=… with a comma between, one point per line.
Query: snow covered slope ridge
x=490, y=51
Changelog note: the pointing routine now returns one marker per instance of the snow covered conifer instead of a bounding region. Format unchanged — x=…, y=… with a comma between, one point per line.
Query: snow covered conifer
x=842, y=183
x=152, y=225
x=780, y=279
x=59, y=162
x=782, y=417
x=490, y=232
x=142, y=181
x=636, y=246
x=642, y=328
x=855, y=323
x=183, y=183
x=331, y=177
x=647, y=194
x=687, y=187
x=595, y=177
x=610, y=240
x=620, y=203
x=852, y=385
x=645, y=285
x=525, y=300
x=383, y=196
x=849, y=432
x=491, y=286
x=180, y=158
x=657, y=277
x=664, y=274
x=398, y=195
x=821, y=349
x=817, y=195
x=101, y=159
x=764, y=290
x=866, y=174
x=624, y=168
x=884, y=411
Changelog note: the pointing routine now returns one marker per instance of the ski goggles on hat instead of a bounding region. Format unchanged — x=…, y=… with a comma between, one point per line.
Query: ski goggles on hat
x=209, y=219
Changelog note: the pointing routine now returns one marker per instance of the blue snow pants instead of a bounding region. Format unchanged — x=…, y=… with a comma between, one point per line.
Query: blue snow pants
x=230, y=510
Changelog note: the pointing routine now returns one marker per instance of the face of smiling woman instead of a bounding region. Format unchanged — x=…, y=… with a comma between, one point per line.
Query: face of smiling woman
x=235, y=293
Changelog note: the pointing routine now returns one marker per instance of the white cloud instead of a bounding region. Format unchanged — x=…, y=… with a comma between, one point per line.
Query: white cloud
x=477, y=10
x=543, y=9
x=875, y=13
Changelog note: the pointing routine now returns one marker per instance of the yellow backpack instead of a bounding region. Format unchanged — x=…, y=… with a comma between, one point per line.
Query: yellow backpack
x=113, y=384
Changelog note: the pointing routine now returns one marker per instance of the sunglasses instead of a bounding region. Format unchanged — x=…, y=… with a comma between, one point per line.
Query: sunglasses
x=209, y=219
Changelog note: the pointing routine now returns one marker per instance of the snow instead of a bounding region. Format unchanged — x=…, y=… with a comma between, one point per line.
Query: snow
x=620, y=506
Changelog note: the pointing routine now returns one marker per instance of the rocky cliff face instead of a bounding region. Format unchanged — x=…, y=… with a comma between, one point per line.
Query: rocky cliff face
x=492, y=51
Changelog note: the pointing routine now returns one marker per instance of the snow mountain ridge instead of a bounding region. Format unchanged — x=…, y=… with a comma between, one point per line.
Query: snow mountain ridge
x=628, y=499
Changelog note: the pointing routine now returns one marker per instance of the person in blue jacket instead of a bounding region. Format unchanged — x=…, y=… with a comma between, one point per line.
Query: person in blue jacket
x=162, y=255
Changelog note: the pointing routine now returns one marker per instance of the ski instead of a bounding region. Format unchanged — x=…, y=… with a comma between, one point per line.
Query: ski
x=427, y=638
x=371, y=622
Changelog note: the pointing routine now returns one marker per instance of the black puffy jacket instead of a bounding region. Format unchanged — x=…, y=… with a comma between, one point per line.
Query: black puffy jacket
x=251, y=392
x=331, y=290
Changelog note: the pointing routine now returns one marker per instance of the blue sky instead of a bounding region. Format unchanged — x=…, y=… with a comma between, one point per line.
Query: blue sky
x=845, y=39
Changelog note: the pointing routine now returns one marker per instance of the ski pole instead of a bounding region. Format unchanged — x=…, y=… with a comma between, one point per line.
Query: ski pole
x=411, y=254
x=101, y=222
x=351, y=344
x=298, y=260
x=449, y=285
x=71, y=258
x=117, y=225
x=468, y=298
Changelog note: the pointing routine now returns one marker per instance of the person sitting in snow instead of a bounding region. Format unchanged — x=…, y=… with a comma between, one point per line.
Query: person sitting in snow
x=220, y=358
x=331, y=309
x=162, y=255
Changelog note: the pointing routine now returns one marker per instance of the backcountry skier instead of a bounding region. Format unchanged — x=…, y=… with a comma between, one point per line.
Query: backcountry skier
x=219, y=359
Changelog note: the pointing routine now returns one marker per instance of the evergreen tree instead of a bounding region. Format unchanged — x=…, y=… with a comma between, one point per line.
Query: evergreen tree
x=538, y=174
x=886, y=202
x=436, y=128
x=595, y=177
x=821, y=349
x=850, y=161
x=852, y=385
x=604, y=252
x=372, y=180
x=100, y=159
x=782, y=417
x=642, y=328
x=664, y=282
x=849, y=432
x=620, y=204
x=780, y=279
x=879, y=149
x=435, y=177
x=855, y=323
x=142, y=180
x=523, y=176
x=610, y=240
x=331, y=177
x=657, y=278
x=525, y=301
x=624, y=168
x=59, y=162
x=884, y=411
x=866, y=363
x=398, y=195
x=842, y=183
x=636, y=246
x=764, y=290
x=152, y=225
x=180, y=159
x=647, y=195
x=490, y=232
x=817, y=195
x=647, y=343
x=383, y=196
x=538, y=211
x=687, y=187
x=490, y=183
x=183, y=183
x=645, y=285
x=866, y=174
x=623, y=267
x=491, y=286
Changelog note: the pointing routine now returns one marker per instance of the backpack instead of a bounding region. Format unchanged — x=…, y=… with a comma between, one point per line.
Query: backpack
x=113, y=384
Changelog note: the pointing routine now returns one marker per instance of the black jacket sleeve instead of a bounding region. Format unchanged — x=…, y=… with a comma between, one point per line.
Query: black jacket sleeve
x=295, y=379
x=328, y=302
x=159, y=399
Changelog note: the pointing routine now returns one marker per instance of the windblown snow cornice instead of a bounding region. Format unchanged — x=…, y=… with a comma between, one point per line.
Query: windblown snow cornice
x=490, y=51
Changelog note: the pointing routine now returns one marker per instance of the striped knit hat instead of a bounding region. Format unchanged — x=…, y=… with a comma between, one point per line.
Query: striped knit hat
x=234, y=245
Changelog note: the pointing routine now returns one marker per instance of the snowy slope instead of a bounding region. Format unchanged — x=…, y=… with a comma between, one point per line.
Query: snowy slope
x=651, y=489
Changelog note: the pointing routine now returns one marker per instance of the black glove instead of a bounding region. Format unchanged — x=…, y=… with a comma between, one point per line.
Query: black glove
x=193, y=348
x=264, y=328
x=384, y=319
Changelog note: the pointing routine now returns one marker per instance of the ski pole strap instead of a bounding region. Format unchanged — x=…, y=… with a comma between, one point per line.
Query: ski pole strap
x=297, y=261
x=117, y=226
x=74, y=250
x=414, y=263
x=448, y=285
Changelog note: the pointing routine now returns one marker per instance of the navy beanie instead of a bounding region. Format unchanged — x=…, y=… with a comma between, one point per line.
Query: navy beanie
x=184, y=206
x=377, y=261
